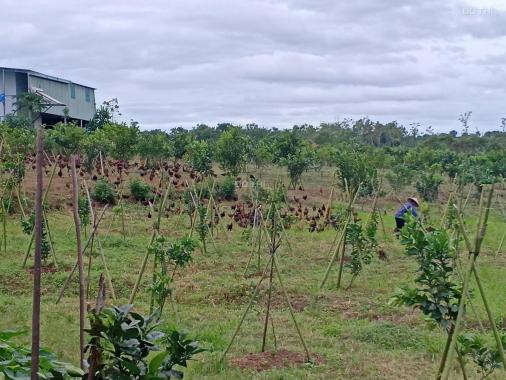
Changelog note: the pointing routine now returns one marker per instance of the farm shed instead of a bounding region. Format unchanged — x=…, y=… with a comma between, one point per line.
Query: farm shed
x=58, y=94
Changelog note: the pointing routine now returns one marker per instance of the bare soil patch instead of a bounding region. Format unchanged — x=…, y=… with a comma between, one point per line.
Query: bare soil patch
x=264, y=361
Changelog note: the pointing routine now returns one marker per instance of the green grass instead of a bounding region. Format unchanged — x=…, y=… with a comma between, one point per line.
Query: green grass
x=357, y=333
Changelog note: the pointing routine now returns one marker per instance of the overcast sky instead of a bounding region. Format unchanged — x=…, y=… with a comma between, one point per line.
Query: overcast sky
x=276, y=63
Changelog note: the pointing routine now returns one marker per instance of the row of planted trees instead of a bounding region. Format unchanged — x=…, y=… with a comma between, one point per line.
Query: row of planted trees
x=355, y=237
x=120, y=341
x=447, y=257
x=300, y=149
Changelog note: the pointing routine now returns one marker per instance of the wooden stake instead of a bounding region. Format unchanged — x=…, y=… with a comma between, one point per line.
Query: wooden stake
x=474, y=253
x=77, y=224
x=37, y=257
x=43, y=201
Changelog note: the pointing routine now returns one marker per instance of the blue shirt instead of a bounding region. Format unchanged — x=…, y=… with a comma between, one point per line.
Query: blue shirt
x=404, y=209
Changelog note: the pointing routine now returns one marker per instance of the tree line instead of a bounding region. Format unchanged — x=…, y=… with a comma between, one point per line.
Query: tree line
x=357, y=148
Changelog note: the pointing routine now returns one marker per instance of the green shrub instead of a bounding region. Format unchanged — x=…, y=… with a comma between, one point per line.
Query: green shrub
x=104, y=192
x=15, y=361
x=124, y=341
x=428, y=185
x=140, y=190
x=226, y=189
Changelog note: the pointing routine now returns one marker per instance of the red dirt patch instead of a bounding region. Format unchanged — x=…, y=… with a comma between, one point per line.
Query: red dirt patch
x=44, y=269
x=264, y=361
x=298, y=302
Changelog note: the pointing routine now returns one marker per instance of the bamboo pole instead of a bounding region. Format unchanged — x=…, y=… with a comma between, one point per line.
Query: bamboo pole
x=50, y=236
x=290, y=308
x=269, y=297
x=69, y=277
x=43, y=201
x=77, y=224
x=156, y=230
x=37, y=257
x=334, y=256
x=243, y=317
x=474, y=253
x=353, y=198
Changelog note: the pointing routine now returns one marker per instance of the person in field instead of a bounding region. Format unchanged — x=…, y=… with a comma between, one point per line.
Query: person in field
x=410, y=206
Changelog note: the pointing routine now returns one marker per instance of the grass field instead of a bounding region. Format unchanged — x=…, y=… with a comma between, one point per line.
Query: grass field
x=356, y=332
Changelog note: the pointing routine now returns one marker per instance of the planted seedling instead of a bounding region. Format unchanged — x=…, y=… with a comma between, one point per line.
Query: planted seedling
x=27, y=225
x=274, y=229
x=177, y=256
x=124, y=341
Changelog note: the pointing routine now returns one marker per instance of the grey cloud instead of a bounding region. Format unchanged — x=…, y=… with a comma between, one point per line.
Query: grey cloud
x=276, y=63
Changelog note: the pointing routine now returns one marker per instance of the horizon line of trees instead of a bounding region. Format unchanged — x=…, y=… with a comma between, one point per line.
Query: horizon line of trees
x=362, y=146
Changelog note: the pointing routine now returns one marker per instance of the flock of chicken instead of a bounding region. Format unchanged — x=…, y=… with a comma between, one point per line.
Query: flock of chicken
x=242, y=213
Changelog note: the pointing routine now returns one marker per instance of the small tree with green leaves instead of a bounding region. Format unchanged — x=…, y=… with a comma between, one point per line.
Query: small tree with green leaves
x=122, y=140
x=65, y=138
x=31, y=105
x=298, y=163
x=199, y=157
x=27, y=225
x=232, y=150
x=484, y=356
x=15, y=361
x=438, y=289
x=355, y=171
x=399, y=177
x=131, y=346
x=363, y=243
x=167, y=261
x=428, y=184
x=262, y=153
x=140, y=190
x=154, y=146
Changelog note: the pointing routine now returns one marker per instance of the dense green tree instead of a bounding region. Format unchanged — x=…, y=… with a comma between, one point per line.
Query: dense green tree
x=122, y=140
x=65, y=138
x=104, y=115
x=199, y=157
x=232, y=151
x=298, y=163
x=154, y=146
x=180, y=139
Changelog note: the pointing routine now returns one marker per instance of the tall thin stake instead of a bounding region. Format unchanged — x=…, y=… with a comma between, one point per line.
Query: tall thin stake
x=474, y=253
x=82, y=290
x=37, y=257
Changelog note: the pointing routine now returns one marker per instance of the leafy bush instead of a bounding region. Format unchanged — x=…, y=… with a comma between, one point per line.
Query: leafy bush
x=140, y=190
x=355, y=170
x=486, y=358
x=232, y=150
x=428, y=185
x=104, y=192
x=399, y=177
x=438, y=290
x=178, y=255
x=226, y=189
x=125, y=339
x=199, y=157
x=27, y=225
x=298, y=163
x=363, y=243
x=65, y=139
x=84, y=211
x=15, y=362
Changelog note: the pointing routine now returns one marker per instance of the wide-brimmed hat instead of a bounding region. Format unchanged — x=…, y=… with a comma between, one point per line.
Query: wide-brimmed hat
x=414, y=200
